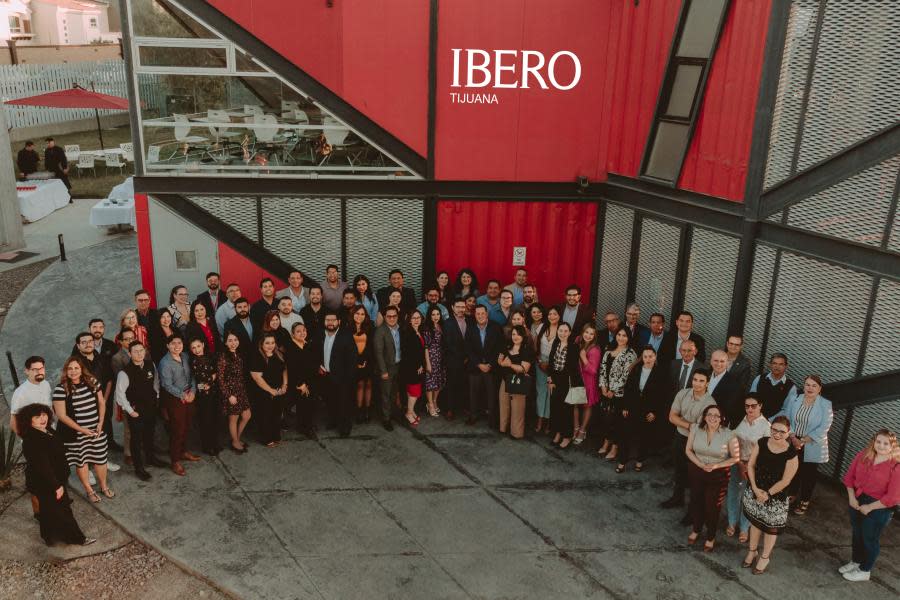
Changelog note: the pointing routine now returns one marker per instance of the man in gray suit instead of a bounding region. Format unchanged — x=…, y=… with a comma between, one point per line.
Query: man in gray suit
x=387, y=362
x=681, y=370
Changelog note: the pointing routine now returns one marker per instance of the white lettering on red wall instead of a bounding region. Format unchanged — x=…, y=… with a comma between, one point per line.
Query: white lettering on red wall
x=474, y=68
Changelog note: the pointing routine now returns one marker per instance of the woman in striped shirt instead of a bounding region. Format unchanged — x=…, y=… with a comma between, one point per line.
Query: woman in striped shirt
x=78, y=403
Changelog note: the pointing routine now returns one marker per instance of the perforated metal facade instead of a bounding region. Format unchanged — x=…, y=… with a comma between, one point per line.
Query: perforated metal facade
x=304, y=232
x=384, y=235
x=238, y=212
x=863, y=422
x=758, y=303
x=817, y=317
x=710, y=282
x=615, y=256
x=657, y=266
x=831, y=468
x=854, y=209
x=881, y=349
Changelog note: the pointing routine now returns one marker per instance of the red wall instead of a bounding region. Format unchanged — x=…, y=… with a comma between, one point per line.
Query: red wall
x=145, y=247
x=235, y=268
x=558, y=236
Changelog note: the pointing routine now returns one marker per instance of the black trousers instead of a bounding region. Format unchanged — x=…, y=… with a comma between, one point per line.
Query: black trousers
x=271, y=409
x=562, y=415
x=64, y=177
x=306, y=410
x=483, y=391
x=209, y=415
x=633, y=437
x=142, y=431
x=456, y=393
x=340, y=402
x=804, y=481
x=707, y=495
x=56, y=519
x=108, y=416
x=680, y=462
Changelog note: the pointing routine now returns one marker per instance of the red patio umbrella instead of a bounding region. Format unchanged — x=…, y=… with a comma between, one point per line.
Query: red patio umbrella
x=77, y=97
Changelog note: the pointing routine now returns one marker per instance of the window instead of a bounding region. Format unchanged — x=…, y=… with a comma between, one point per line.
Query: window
x=93, y=23
x=682, y=89
x=15, y=24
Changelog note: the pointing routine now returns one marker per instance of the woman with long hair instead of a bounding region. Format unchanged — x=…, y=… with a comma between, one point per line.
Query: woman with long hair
x=435, y=372
x=589, y=354
x=811, y=416
x=442, y=283
x=129, y=320
x=711, y=450
x=515, y=364
x=203, y=366
x=873, y=492
x=412, y=350
x=79, y=407
x=643, y=408
x=366, y=297
x=772, y=465
x=235, y=403
x=543, y=344
x=159, y=334
x=301, y=362
x=203, y=327
x=268, y=372
x=47, y=475
x=614, y=369
x=563, y=374
x=466, y=283
x=179, y=307
x=361, y=327
x=271, y=324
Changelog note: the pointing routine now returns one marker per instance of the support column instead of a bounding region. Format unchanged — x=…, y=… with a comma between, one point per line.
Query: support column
x=11, y=235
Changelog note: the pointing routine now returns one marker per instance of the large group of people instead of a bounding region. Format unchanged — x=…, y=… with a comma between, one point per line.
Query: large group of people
x=752, y=444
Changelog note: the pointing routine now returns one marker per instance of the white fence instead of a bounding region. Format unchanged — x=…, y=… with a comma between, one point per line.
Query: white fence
x=108, y=77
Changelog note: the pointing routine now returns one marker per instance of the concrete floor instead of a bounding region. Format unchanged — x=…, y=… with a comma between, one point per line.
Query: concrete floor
x=446, y=511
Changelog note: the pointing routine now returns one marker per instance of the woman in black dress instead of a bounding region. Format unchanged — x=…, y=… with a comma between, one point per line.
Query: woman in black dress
x=361, y=327
x=234, y=392
x=563, y=374
x=272, y=325
x=203, y=366
x=46, y=476
x=412, y=367
x=270, y=376
x=773, y=464
x=302, y=365
x=642, y=407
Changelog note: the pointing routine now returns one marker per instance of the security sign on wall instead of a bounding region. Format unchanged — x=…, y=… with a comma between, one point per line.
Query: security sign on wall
x=518, y=256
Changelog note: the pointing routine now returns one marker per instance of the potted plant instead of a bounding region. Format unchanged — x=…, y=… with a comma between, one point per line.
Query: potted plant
x=8, y=457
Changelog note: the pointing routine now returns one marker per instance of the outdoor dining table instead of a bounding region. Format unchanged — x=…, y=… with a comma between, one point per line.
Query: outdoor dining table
x=37, y=199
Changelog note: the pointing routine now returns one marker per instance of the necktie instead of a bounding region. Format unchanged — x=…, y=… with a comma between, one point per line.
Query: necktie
x=684, y=374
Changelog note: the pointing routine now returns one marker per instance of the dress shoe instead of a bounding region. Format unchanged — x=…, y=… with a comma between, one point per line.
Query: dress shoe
x=471, y=421
x=388, y=426
x=190, y=457
x=178, y=469
x=129, y=461
x=673, y=502
x=155, y=462
x=143, y=475
x=449, y=415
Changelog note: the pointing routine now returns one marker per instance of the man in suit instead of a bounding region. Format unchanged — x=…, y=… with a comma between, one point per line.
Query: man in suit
x=295, y=290
x=147, y=315
x=640, y=335
x=313, y=314
x=724, y=388
x=242, y=327
x=338, y=373
x=386, y=341
x=455, y=329
x=657, y=331
x=574, y=312
x=611, y=322
x=395, y=282
x=484, y=342
x=684, y=330
x=738, y=364
x=213, y=297
x=264, y=304
x=681, y=370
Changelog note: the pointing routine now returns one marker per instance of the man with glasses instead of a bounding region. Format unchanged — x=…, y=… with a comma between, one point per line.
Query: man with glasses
x=574, y=312
x=147, y=316
x=773, y=387
x=752, y=428
x=226, y=311
x=432, y=298
x=738, y=364
x=387, y=361
x=333, y=290
x=213, y=297
x=395, y=282
x=611, y=322
x=640, y=335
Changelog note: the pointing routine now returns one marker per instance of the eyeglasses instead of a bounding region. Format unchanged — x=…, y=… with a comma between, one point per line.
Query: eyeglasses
x=713, y=416
x=779, y=431
x=749, y=406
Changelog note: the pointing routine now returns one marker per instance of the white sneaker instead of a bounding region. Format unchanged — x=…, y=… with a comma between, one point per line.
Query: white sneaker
x=857, y=575
x=849, y=567
x=91, y=479
x=112, y=467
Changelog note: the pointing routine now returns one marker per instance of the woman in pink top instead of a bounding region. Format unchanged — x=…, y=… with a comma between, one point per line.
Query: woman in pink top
x=873, y=489
x=589, y=360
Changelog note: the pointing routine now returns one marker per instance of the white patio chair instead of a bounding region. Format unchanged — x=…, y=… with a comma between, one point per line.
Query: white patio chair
x=253, y=109
x=265, y=128
x=183, y=131
x=153, y=154
x=221, y=132
x=127, y=151
x=73, y=151
x=114, y=160
x=85, y=162
x=288, y=107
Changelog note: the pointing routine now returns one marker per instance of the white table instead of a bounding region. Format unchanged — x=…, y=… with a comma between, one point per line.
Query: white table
x=46, y=197
x=107, y=214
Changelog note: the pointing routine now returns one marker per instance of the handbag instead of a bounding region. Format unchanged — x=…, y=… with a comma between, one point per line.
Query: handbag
x=576, y=395
x=518, y=383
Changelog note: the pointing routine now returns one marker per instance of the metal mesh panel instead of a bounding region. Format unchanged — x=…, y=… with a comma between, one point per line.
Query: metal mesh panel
x=894, y=241
x=776, y=217
x=791, y=89
x=657, y=265
x=710, y=283
x=855, y=90
x=881, y=349
x=384, y=235
x=817, y=318
x=854, y=209
x=866, y=421
x=614, y=259
x=238, y=212
x=831, y=468
x=304, y=232
x=758, y=303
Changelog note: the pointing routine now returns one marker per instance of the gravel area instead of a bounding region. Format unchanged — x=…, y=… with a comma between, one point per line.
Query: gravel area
x=16, y=280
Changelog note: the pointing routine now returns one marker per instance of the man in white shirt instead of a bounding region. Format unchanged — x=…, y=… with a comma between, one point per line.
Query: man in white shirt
x=35, y=390
x=751, y=428
x=226, y=312
x=287, y=314
x=298, y=294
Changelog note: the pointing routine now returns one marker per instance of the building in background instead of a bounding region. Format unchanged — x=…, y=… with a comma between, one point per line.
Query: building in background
x=15, y=21
x=59, y=22
x=738, y=159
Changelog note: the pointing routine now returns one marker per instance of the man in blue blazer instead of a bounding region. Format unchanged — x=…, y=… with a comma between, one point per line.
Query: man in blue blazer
x=484, y=343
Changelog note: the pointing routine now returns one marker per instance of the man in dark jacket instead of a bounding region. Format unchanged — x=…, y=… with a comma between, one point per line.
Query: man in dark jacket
x=338, y=372
x=455, y=358
x=241, y=326
x=27, y=160
x=484, y=343
x=56, y=162
x=137, y=393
